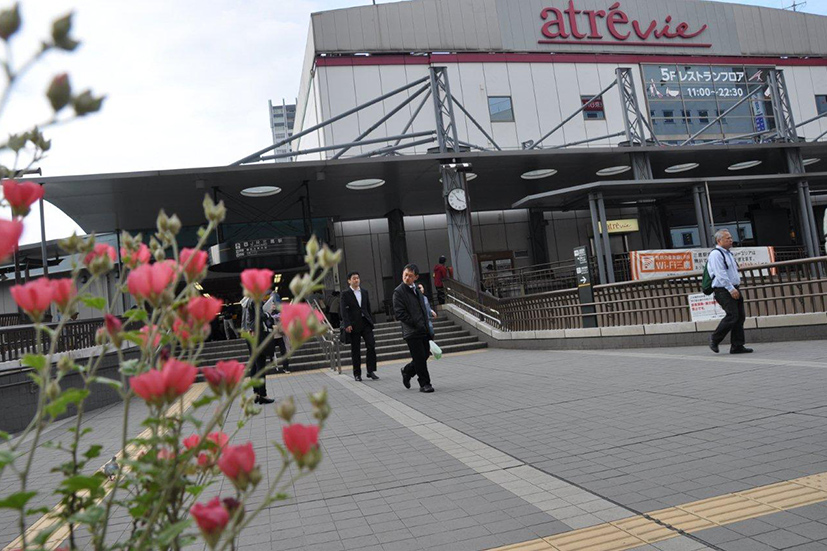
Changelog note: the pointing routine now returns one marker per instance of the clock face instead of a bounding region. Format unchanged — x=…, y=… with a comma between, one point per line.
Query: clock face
x=457, y=199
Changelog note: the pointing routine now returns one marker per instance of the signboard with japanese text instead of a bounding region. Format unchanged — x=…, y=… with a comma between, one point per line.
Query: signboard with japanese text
x=704, y=307
x=620, y=226
x=673, y=262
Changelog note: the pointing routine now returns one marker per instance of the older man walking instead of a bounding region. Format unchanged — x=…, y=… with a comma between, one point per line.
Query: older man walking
x=725, y=284
x=409, y=309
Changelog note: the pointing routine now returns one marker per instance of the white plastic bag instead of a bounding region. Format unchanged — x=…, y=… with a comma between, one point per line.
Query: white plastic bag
x=435, y=350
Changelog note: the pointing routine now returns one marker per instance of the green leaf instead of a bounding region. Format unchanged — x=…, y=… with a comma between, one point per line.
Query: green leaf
x=168, y=534
x=195, y=491
x=68, y=396
x=43, y=535
x=82, y=482
x=35, y=361
x=93, y=451
x=38, y=380
x=111, y=383
x=17, y=501
x=6, y=457
x=4, y=436
x=38, y=511
x=130, y=367
x=92, y=515
x=204, y=400
x=136, y=315
x=97, y=303
x=135, y=337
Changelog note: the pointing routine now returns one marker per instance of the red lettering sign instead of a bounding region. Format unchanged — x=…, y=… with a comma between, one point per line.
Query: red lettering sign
x=565, y=27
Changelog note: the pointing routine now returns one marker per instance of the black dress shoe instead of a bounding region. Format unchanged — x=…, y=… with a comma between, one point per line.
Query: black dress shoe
x=373, y=376
x=740, y=350
x=358, y=378
x=713, y=347
x=264, y=400
x=405, y=379
x=426, y=388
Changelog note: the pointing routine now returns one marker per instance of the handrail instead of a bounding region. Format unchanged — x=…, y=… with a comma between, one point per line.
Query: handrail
x=784, y=287
x=331, y=347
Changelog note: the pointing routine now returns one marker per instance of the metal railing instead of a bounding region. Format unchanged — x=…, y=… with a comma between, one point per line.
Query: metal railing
x=329, y=340
x=8, y=320
x=19, y=340
x=556, y=276
x=789, y=287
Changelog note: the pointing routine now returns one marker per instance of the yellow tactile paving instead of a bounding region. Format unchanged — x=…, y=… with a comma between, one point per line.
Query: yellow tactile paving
x=48, y=519
x=696, y=516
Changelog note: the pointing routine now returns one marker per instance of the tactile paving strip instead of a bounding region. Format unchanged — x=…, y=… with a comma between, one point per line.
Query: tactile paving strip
x=639, y=530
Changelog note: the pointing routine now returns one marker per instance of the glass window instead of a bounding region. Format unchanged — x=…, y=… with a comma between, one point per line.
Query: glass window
x=821, y=104
x=500, y=109
x=594, y=111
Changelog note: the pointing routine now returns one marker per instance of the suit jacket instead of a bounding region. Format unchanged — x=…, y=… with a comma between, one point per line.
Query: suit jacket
x=409, y=309
x=352, y=314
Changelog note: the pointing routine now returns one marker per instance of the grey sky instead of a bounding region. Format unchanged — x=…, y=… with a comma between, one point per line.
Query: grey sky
x=187, y=82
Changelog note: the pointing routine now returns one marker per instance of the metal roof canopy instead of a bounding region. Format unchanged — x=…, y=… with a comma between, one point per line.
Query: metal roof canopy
x=628, y=191
x=131, y=201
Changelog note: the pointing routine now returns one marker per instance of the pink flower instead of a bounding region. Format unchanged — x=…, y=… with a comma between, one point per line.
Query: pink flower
x=144, y=335
x=193, y=263
x=220, y=439
x=148, y=282
x=33, y=297
x=133, y=259
x=296, y=320
x=256, y=283
x=149, y=386
x=101, y=250
x=113, y=325
x=204, y=309
x=211, y=518
x=63, y=291
x=224, y=376
x=21, y=195
x=237, y=464
x=300, y=439
x=164, y=385
x=191, y=441
x=178, y=377
x=10, y=232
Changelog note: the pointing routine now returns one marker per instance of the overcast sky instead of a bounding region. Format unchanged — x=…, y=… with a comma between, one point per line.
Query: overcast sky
x=187, y=82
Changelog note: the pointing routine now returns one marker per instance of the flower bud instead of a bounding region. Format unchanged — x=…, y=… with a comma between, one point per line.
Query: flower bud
x=162, y=222
x=65, y=365
x=9, y=22
x=328, y=258
x=174, y=224
x=312, y=458
x=86, y=103
x=312, y=246
x=296, y=285
x=255, y=476
x=60, y=33
x=321, y=413
x=319, y=399
x=71, y=245
x=59, y=92
x=286, y=409
x=17, y=142
x=212, y=212
x=232, y=505
x=53, y=390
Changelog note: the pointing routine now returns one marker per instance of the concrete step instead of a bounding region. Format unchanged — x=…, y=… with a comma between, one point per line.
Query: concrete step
x=303, y=365
x=302, y=355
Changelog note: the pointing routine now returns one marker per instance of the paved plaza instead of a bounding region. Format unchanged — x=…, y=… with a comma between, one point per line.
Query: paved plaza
x=559, y=451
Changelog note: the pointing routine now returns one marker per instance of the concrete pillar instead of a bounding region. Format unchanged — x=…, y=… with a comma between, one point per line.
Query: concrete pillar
x=537, y=236
x=399, y=244
x=703, y=229
x=607, y=245
x=809, y=233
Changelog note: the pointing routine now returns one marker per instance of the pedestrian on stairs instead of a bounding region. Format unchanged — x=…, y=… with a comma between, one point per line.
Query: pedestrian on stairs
x=248, y=323
x=357, y=320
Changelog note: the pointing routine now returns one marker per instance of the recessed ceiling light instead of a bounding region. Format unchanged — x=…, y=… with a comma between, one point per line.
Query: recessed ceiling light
x=613, y=170
x=539, y=173
x=680, y=168
x=468, y=176
x=260, y=191
x=812, y=161
x=368, y=183
x=744, y=165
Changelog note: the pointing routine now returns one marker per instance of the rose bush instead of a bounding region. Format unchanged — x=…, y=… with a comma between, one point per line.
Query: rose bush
x=163, y=477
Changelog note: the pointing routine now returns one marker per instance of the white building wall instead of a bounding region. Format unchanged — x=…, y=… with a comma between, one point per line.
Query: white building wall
x=542, y=94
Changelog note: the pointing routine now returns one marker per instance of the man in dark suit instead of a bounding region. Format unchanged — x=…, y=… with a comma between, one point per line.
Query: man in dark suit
x=358, y=322
x=409, y=309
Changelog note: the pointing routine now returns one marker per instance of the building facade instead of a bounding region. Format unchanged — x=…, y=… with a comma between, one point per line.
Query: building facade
x=282, y=119
x=521, y=68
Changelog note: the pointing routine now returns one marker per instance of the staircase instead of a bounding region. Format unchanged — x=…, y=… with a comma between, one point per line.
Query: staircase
x=389, y=346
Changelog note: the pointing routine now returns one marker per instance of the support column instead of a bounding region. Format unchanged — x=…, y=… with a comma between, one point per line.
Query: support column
x=460, y=239
x=598, y=246
x=219, y=231
x=537, y=236
x=399, y=244
x=43, y=254
x=703, y=231
x=607, y=246
x=809, y=233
